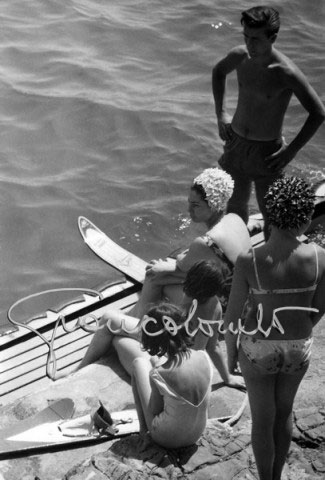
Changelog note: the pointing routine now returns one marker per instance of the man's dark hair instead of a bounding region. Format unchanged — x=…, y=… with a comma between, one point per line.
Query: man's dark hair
x=259, y=17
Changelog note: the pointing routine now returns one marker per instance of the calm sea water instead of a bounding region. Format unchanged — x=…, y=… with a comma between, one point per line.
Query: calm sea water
x=106, y=111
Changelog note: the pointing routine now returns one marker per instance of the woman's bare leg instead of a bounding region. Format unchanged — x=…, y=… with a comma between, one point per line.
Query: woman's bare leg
x=174, y=293
x=98, y=347
x=150, y=294
x=128, y=349
x=261, y=394
x=102, y=340
x=142, y=392
x=271, y=399
x=285, y=392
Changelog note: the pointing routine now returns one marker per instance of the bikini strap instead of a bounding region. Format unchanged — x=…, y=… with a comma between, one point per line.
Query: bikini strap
x=317, y=264
x=255, y=269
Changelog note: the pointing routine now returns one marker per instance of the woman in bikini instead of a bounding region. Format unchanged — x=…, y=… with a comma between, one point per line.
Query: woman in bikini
x=166, y=397
x=285, y=280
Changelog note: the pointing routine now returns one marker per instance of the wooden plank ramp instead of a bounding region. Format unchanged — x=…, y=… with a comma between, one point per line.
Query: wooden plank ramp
x=23, y=357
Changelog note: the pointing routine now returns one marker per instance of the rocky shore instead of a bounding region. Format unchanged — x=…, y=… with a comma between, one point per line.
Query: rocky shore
x=223, y=453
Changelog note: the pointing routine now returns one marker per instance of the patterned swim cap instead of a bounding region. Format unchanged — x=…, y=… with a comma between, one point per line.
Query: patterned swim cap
x=218, y=187
x=289, y=203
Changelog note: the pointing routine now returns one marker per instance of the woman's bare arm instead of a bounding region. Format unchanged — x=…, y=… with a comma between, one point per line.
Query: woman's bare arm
x=319, y=297
x=156, y=402
x=238, y=297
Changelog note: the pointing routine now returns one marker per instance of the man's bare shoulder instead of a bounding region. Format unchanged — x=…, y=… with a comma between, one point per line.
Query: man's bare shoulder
x=239, y=50
x=233, y=59
x=238, y=53
x=286, y=67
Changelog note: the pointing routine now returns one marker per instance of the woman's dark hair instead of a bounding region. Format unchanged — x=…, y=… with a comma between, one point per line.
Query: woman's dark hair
x=165, y=342
x=289, y=203
x=199, y=190
x=259, y=17
x=205, y=279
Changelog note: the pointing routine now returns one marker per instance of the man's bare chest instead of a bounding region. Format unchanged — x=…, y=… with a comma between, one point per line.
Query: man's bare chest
x=261, y=82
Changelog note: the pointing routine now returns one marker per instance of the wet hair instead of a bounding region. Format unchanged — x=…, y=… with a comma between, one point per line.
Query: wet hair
x=289, y=203
x=205, y=279
x=259, y=17
x=215, y=186
x=159, y=335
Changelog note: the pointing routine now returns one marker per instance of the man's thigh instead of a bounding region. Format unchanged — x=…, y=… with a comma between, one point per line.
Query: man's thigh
x=238, y=203
x=262, y=185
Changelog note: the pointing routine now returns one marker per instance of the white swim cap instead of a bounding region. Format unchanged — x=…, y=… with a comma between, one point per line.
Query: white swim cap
x=218, y=187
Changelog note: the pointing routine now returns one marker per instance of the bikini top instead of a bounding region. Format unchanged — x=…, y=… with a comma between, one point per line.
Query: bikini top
x=217, y=251
x=226, y=287
x=261, y=291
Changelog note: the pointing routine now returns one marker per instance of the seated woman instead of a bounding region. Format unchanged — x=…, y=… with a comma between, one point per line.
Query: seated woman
x=286, y=282
x=166, y=397
x=203, y=284
x=226, y=237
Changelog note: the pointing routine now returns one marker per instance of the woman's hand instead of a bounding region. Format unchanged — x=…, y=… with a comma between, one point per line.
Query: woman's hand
x=157, y=267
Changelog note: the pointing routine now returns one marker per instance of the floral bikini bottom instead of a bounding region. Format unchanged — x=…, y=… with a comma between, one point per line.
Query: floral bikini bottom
x=273, y=356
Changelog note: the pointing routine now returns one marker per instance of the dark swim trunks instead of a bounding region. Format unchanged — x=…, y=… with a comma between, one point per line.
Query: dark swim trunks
x=247, y=157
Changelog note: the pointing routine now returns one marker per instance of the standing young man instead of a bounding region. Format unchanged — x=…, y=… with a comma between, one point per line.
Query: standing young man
x=254, y=149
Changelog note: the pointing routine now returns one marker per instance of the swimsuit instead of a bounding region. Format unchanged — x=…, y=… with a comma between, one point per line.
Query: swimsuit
x=181, y=423
x=246, y=157
x=273, y=356
x=244, y=160
x=263, y=291
x=217, y=251
x=229, y=267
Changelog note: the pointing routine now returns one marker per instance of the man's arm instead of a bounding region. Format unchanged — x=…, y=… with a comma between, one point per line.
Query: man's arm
x=297, y=82
x=219, y=77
